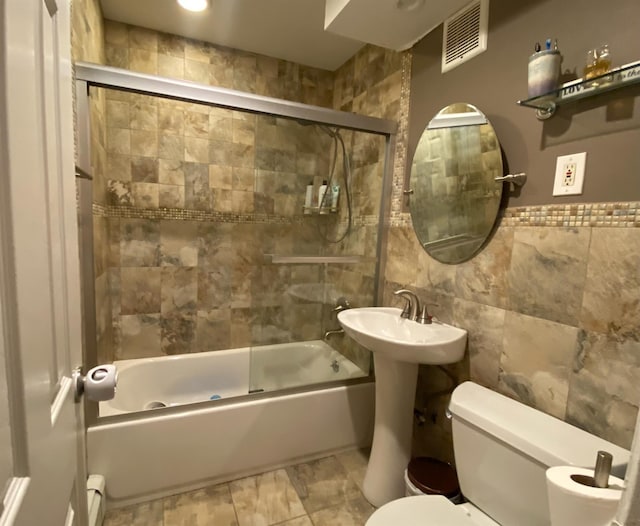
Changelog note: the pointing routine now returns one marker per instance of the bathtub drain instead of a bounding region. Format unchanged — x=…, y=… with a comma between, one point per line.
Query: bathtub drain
x=155, y=404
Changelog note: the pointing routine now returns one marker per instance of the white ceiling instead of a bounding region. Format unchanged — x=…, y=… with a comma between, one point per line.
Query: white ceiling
x=290, y=29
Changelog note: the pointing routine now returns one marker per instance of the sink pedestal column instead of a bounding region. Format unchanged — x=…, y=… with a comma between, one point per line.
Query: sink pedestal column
x=393, y=430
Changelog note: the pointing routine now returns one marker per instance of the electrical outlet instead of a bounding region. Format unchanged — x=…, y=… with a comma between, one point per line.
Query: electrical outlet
x=570, y=174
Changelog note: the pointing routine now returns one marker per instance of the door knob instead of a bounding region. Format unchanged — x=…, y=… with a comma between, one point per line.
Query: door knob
x=99, y=383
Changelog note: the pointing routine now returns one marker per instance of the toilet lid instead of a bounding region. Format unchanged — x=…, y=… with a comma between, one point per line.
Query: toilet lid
x=423, y=510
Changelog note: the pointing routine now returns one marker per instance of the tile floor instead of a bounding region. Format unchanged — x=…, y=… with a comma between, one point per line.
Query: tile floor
x=324, y=492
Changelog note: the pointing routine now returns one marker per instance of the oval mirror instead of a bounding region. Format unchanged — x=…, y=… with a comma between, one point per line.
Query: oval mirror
x=455, y=198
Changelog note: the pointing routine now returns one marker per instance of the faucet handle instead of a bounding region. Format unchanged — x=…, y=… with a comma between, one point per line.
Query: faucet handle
x=342, y=303
x=425, y=318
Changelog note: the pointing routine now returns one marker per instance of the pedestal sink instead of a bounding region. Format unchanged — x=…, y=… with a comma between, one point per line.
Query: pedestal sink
x=399, y=345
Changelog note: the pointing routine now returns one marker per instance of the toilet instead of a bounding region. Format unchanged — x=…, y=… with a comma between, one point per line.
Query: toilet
x=502, y=450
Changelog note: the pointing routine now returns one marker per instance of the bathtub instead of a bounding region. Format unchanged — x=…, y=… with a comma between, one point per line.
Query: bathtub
x=154, y=453
x=166, y=381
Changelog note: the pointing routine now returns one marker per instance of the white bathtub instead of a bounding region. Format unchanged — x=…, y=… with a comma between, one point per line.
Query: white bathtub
x=151, y=383
x=151, y=454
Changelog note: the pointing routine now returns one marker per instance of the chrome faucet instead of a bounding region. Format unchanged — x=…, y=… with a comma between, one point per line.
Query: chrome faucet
x=412, y=305
x=330, y=333
x=342, y=303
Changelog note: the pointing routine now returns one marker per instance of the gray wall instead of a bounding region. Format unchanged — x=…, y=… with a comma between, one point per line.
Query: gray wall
x=607, y=127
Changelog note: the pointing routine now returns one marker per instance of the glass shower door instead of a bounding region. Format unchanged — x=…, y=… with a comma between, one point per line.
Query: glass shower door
x=313, y=257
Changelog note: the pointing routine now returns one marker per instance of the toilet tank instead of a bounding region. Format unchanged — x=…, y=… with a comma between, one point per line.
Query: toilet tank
x=503, y=448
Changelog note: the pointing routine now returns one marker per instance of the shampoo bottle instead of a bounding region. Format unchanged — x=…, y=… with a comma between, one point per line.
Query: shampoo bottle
x=308, y=198
x=335, y=194
x=323, y=200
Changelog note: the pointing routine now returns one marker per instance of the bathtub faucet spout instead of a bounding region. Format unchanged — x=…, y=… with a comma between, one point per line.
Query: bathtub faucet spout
x=330, y=333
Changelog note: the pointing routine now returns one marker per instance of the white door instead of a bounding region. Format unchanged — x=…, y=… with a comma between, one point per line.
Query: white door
x=41, y=435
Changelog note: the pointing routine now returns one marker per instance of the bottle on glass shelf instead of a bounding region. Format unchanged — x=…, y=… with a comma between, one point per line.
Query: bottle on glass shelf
x=598, y=63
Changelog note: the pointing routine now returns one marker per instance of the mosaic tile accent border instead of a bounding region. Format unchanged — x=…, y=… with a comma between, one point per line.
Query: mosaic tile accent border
x=98, y=209
x=180, y=214
x=616, y=215
x=621, y=214
x=399, y=162
x=400, y=220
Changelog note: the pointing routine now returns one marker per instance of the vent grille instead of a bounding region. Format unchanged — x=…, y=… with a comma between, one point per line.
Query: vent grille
x=465, y=34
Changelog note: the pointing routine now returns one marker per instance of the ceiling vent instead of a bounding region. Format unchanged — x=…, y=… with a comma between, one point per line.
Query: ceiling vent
x=465, y=34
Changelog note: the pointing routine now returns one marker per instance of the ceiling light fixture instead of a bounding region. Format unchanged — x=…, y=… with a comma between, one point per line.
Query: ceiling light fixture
x=409, y=5
x=194, y=5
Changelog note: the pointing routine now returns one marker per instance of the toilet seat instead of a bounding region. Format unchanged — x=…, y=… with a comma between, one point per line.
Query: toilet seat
x=424, y=510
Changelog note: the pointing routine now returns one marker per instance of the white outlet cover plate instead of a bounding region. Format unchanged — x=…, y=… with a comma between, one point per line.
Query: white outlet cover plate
x=580, y=160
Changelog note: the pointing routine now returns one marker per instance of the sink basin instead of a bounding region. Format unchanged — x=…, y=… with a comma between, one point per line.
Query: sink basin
x=382, y=330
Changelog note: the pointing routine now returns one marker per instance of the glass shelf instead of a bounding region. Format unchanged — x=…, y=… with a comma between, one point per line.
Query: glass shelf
x=546, y=104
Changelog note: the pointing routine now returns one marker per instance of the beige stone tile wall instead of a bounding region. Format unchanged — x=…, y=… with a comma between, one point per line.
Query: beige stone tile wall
x=553, y=321
x=148, y=51
x=190, y=286
x=163, y=153
x=87, y=31
x=168, y=154
x=369, y=83
x=186, y=286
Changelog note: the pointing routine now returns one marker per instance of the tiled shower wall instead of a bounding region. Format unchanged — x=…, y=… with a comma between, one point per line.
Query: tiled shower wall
x=147, y=51
x=197, y=197
x=171, y=154
x=369, y=83
x=182, y=177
